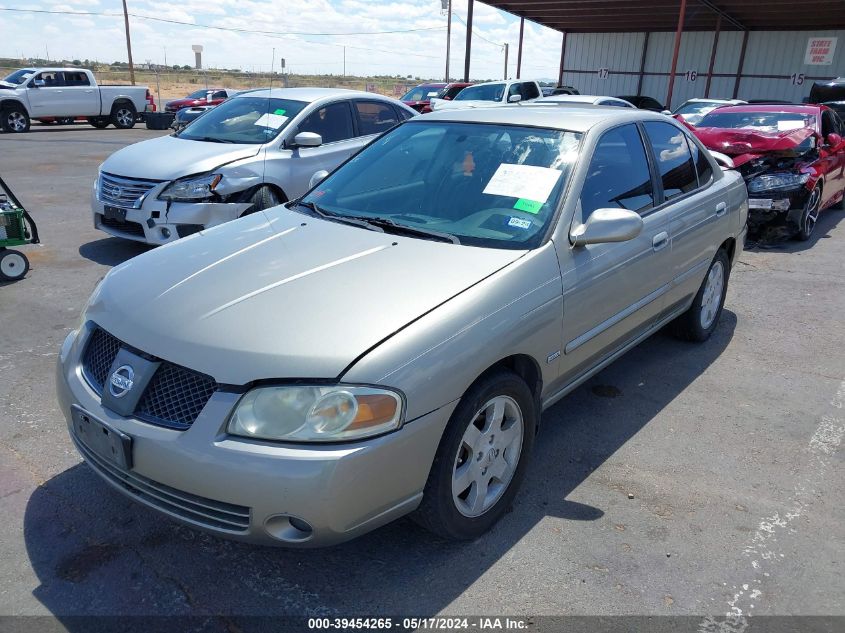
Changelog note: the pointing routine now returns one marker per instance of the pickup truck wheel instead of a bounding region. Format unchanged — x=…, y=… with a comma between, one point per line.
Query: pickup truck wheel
x=481, y=459
x=99, y=122
x=14, y=119
x=123, y=116
x=698, y=323
x=810, y=215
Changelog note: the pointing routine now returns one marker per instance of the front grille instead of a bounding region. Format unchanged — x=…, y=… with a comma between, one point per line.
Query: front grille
x=123, y=226
x=207, y=513
x=122, y=192
x=175, y=396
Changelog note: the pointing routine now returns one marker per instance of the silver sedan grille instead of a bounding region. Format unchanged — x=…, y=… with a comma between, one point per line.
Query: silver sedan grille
x=125, y=193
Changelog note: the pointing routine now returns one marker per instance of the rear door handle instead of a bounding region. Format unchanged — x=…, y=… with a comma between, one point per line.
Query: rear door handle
x=721, y=209
x=660, y=240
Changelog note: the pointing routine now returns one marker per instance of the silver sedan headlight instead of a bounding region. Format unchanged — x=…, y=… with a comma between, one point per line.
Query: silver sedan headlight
x=774, y=182
x=191, y=189
x=315, y=413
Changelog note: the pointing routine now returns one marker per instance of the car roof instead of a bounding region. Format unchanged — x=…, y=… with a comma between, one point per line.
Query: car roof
x=577, y=118
x=709, y=100
x=314, y=94
x=778, y=107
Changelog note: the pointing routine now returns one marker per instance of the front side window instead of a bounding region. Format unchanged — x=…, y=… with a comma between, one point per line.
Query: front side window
x=489, y=185
x=528, y=90
x=451, y=92
x=485, y=92
x=374, y=117
x=618, y=177
x=674, y=161
x=51, y=79
x=248, y=120
x=220, y=94
x=332, y=122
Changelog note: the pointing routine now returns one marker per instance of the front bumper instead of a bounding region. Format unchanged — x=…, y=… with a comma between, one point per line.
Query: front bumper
x=341, y=491
x=155, y=223
x=773, y=215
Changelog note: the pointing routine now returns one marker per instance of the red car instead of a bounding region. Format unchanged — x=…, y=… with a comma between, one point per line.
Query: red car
x=419, y=98
x=792, y=158
x=206, y=96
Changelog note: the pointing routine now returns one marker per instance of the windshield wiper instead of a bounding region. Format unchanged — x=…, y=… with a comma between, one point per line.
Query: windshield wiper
x=390, y=226
x=209, y=139
x=336, y=217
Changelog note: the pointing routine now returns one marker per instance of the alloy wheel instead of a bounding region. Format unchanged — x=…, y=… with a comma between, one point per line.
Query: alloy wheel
x=488, y=456
x=711, y=299
x=124, y=117
x=16, y=121
x=811, y=216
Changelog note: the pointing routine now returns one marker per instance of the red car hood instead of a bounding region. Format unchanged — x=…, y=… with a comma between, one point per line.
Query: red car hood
x=184, y=103
x=745, y=144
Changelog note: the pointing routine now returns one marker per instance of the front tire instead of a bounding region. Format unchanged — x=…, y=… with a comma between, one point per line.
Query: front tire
x=14, y=119
x=698, y=323
x=123, y=116
x=481, y=459
x=810, y=215
x=263, y=198
x=13, y=265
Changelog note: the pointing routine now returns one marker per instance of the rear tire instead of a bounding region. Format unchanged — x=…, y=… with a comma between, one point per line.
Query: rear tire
x=698, y=323
x=13, y=265
x=99, y=122
x=123, y=116
x=481, y=459
x=14, y=119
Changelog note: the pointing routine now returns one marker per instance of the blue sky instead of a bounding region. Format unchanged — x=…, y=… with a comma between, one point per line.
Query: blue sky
x=420, y=53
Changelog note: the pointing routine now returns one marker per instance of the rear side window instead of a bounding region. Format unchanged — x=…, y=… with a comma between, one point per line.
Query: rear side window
x=76, y=79
x=333, y=122
x=374, y=117
x=702, y=165
x=674, y=161
x=618, y=177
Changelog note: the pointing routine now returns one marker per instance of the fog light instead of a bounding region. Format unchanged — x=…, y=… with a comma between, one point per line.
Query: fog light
x=288, y=528
x=165, y=232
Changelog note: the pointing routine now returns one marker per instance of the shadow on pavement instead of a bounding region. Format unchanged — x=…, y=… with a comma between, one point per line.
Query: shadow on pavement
x=828, y=220
x=96, y=552
x=111, y=251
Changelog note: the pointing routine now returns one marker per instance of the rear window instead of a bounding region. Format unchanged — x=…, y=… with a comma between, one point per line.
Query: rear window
x=674, y=161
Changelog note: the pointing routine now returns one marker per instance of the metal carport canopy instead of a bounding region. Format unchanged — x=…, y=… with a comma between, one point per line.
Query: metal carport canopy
x=627, y=16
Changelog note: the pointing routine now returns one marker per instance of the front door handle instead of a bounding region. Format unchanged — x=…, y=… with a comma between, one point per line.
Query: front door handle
x=721, y=209
x=660, y=240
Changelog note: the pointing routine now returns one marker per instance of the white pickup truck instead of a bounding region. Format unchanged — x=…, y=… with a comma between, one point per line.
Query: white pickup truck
x=491, y=93
x=67, y=93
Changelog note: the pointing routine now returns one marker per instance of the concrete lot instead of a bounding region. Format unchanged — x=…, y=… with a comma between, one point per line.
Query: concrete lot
x=729, y=449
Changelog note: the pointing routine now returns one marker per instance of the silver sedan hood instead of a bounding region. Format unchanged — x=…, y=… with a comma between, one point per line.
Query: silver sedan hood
x=282, y=295
x=169, y=157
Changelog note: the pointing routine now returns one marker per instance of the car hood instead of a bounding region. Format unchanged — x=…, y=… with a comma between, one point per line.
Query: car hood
x=279, y=294
x=181, y=103
x=169, y=157
x=744, y=144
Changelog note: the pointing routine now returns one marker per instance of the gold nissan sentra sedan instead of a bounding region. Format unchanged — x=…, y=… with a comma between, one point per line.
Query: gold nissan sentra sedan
x=386, y=344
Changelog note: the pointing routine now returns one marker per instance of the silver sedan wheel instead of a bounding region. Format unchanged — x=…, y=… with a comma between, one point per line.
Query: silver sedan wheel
x=16, y=121
x=712, y=297
x=124, y=117
x=488, y=456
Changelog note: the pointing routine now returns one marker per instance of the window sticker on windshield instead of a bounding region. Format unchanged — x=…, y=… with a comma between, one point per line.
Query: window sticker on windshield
x=519, y=223
x=785, y=126
x=523, y=181
x=280, y=112
x=529, y=206
x=432, y=94
x=271, y=120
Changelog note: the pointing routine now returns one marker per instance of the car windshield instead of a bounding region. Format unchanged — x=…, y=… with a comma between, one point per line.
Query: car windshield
x=486, y=92
x=694, y=111
x=759, y=121
x=19, y=76
x=488, y=185
x=422, y=93
x=450, y=92
x=250, y=120
x=199, y=94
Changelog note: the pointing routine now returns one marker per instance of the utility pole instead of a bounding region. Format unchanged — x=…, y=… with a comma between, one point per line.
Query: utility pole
x=506, y=61
x=128, y=43
x=448, y=35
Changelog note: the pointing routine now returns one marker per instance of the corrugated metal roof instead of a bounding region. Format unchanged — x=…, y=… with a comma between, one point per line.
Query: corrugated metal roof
x=604, y=16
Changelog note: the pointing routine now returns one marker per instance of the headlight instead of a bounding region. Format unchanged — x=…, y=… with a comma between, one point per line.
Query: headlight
x=300, y=413
x=769, y=182
x=193, y=188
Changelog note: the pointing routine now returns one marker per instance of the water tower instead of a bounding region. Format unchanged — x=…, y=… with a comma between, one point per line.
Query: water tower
x=197, y=48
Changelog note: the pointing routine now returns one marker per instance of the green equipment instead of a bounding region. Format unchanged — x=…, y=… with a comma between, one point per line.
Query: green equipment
x=16, y=229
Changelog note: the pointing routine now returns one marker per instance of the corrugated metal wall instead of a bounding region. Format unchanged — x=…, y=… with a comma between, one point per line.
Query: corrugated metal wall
x=768, y=53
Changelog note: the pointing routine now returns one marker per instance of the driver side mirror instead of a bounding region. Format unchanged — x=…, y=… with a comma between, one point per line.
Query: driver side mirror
x=317, y=178
x=514, y=98
x=607, y=225
x=38, y=83
x=307, y=139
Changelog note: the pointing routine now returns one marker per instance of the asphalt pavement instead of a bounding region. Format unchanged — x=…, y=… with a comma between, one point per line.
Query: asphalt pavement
x=684, y=479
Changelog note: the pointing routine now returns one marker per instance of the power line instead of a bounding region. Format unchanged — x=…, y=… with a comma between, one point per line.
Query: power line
x=218, y=28
x=476, y=33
